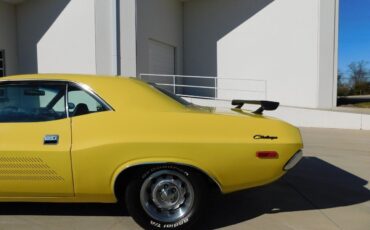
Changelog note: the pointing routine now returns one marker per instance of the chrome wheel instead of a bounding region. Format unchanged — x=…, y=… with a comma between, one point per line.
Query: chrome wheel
x=167, y=196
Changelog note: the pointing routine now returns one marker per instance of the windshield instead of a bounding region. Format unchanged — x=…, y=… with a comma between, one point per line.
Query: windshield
x=170, y=95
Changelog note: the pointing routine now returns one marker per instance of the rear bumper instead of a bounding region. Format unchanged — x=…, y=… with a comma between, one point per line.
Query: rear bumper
x=294, y=160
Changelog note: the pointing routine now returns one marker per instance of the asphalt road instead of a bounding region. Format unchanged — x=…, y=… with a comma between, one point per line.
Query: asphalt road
x=328, y=190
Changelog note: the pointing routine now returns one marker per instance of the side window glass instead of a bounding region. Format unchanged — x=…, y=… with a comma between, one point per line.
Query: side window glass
x=32, y=102
x=81, y=102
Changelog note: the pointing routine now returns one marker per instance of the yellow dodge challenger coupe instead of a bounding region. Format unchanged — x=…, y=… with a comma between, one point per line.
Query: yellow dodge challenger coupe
x=73, y=138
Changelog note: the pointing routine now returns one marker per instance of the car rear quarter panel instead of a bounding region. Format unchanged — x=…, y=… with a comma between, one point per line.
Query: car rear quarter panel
x=222, y=146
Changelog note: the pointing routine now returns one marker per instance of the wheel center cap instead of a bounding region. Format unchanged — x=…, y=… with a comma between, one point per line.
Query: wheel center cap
x=166, y=195
x=169, y=195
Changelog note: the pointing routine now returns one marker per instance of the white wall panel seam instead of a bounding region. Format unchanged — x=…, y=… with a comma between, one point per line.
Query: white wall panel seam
x=335, y=54
x=317, y=94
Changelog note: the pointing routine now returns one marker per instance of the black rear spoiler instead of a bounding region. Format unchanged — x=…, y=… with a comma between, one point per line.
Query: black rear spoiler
x=265, y=105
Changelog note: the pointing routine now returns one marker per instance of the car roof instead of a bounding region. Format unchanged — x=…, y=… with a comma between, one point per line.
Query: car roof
x=118, y=92
x=81, y=78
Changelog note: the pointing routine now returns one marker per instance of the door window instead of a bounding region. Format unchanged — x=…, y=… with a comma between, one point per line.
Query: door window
x=32, y=101
x=81, y=102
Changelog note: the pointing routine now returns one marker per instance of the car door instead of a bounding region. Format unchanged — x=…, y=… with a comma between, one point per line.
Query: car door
x=35, y=140
x=93, y=141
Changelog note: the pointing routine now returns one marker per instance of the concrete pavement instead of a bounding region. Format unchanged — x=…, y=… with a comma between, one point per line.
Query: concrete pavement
x=328, y=190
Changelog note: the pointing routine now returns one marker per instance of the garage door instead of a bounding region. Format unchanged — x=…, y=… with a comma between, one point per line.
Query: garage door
x=161, y=61
x=161, y=58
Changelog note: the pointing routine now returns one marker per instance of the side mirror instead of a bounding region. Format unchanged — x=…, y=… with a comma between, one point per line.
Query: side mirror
x=71, y=105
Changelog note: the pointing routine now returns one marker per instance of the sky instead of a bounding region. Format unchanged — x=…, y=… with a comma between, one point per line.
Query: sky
x=354, y=32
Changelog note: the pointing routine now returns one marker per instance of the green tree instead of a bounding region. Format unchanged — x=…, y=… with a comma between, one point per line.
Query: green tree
x=343, y=88
x=359, y=74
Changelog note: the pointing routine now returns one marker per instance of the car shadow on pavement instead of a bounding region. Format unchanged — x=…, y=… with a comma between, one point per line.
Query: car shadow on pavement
x=312, y=184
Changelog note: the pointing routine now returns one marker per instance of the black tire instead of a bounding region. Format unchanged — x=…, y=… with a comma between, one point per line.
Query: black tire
x=133, y=198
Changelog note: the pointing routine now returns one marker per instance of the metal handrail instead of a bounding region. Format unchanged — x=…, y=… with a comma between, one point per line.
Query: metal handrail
x=209, y=87
x=198, y=77
x=216, y=88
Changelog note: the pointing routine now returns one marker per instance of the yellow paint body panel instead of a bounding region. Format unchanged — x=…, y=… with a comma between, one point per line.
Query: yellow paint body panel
x=29, y=168
x=148, y=127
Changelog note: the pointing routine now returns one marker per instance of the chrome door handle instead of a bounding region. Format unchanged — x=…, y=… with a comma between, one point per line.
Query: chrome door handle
x=51, y=139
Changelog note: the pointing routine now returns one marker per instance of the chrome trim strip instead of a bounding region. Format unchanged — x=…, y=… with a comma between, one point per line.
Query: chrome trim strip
x=294, y=160
x=66, y=101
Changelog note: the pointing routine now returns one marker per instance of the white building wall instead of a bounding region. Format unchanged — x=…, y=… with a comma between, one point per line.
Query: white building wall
x=162, y=21
x=106, y=22
x=128, y=57
x=327, y=90
x=277, y=41
x=8, y=40
x=56, y=36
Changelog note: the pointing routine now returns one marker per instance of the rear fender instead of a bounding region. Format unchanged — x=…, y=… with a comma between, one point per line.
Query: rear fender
x=162, y=161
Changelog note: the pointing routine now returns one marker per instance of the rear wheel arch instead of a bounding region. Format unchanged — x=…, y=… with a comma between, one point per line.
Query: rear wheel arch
x=125, y=175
